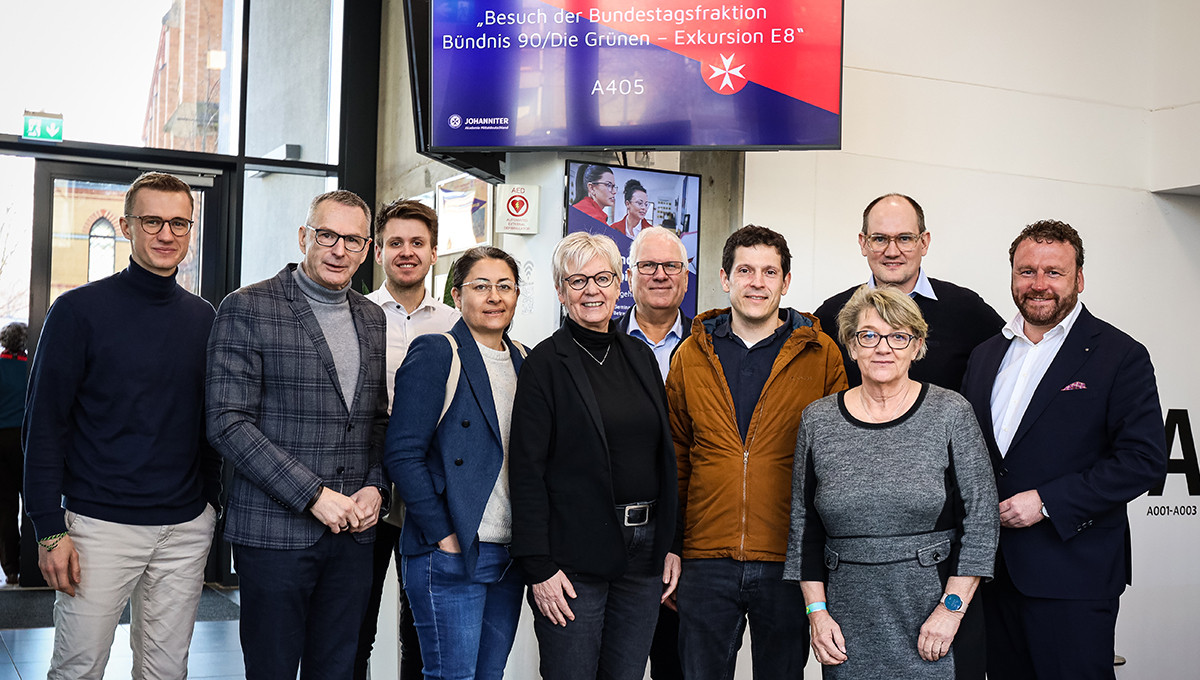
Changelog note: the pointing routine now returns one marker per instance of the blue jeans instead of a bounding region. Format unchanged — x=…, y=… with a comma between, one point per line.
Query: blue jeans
x=303, y=608
x=614, y=620
x=465, y=624
x=717, y=596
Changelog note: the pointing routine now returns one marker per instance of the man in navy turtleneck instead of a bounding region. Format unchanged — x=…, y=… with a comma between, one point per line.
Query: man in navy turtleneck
x=120, y=482
x=297, y=404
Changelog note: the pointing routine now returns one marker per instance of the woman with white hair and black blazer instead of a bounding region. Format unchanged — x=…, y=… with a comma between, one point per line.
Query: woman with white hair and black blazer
x=594, y=486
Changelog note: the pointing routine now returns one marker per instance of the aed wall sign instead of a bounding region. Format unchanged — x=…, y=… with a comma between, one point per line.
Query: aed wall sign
x=516, y=209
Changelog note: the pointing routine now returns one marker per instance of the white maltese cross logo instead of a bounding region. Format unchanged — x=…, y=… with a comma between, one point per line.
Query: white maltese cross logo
x=726, y=72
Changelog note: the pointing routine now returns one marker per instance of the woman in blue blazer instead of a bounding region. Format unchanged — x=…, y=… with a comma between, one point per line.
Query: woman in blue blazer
x=447, y=453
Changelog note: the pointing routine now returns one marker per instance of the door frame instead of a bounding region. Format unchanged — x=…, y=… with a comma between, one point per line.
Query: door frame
x=215, y=275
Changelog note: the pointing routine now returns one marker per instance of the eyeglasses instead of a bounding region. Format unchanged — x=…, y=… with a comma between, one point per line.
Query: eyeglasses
x=152, y=224
x=648, y=268
x=642, y=204
x=329, y=239
x=896, y=340
x=905, y=242
x=483, y=287
x=579, y=281
x=609, y=185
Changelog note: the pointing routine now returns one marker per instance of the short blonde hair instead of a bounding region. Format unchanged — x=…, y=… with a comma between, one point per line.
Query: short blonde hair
x=895, y=308
x=158, y=181
x=577, y=249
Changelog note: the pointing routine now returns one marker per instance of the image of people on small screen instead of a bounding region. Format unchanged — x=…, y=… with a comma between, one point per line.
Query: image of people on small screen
x=637, y=204
x=598, y=192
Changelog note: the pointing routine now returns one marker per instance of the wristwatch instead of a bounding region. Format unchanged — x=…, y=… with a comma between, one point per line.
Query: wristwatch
x=954, y=603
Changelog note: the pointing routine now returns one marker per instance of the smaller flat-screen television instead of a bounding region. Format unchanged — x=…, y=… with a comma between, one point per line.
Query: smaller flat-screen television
x=657, y=198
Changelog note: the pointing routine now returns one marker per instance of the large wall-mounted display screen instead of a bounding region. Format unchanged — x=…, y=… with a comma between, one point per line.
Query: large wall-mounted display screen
x=552, y=74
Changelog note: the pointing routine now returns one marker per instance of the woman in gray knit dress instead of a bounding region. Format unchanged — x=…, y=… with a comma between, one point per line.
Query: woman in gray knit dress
x=894, y=509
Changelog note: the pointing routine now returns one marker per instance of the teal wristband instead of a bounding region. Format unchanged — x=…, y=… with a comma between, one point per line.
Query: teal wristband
x=815, y=607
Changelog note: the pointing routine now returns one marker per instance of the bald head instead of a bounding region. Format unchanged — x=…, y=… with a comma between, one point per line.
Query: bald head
x=894, y=240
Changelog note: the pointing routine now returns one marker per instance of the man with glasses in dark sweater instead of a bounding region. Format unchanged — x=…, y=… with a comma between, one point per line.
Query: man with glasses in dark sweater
x=894, y=239
x=114, y=433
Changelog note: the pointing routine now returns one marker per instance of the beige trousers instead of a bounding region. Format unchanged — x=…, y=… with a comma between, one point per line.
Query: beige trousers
x=159, y=570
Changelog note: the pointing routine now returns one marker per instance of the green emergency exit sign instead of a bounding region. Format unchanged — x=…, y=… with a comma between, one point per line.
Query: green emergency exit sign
x=45, y=127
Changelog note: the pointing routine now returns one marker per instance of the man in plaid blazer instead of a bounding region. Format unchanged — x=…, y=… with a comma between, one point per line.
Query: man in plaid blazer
x=296, y=402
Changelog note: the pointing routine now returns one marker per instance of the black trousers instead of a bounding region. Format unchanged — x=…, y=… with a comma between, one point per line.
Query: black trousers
x=1033, y=638
x=664, y=651
x=970, y=645
x=301, y=608
x=11, y=464
x=387, y=540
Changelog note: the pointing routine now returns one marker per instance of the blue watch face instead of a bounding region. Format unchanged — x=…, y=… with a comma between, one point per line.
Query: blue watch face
x=953, y=602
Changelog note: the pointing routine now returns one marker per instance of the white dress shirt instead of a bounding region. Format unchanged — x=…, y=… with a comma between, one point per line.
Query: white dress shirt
x=431, y=316
x=1021, y=372
x=663, y=349
x=923, y=287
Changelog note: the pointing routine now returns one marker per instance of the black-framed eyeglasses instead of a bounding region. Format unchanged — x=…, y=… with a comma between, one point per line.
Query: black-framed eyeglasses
x=152, y=224
x=483, y=287
x=905, y=242
x=328, y=239
x=648, y=268
x=579, y=281
x=609, y=185
x=896, y=340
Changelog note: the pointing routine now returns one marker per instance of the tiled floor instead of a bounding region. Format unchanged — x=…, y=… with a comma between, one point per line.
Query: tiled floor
x=216, y=652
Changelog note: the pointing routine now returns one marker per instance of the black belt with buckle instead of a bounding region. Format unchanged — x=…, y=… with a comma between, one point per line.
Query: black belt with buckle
x=637, y=514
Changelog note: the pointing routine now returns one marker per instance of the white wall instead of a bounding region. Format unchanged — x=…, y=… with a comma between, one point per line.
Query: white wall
x=1175, y=98
x=993, y=117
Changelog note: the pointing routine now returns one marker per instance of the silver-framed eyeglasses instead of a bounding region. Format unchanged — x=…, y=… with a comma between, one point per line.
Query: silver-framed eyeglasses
x=504, y=288
x=579, y=281
x=905, y=242
x=648, y=268
x=152, y=224
x=895, y=340
x=328, y=239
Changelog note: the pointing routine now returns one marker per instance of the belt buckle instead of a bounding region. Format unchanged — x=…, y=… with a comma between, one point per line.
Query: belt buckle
x=645, y=508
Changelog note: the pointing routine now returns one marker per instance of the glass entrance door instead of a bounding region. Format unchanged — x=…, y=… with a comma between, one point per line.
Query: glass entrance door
x=77, y=230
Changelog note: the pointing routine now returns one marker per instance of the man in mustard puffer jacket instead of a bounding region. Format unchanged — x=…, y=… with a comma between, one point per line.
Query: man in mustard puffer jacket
x=736, y=389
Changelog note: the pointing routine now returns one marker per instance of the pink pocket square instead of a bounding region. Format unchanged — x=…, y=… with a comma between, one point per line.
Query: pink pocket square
x=1074, y=386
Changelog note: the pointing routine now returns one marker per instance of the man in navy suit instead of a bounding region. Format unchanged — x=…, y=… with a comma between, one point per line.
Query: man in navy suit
x=1070, y=410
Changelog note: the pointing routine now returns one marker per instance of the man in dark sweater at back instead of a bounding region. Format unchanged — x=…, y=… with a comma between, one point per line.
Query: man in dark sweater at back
x=894, y=239
x=120, y=482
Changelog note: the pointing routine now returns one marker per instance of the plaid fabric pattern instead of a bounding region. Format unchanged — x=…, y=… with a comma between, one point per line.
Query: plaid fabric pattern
x=276, y=413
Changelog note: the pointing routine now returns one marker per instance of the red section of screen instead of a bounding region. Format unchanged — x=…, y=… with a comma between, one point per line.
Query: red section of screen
x=796, y=49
